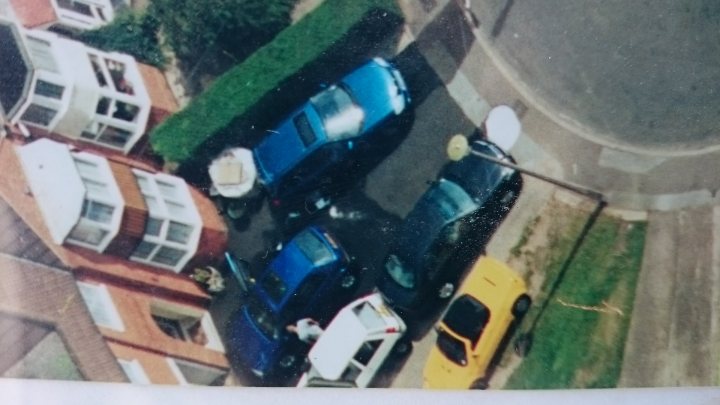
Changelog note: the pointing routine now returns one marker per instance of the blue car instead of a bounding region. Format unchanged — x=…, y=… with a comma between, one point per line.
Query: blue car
x=320, y=136
x=310, y=277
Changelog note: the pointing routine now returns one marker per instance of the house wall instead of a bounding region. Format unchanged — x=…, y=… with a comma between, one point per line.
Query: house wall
x=155, y=365
x=142, y=333
x=135, y=213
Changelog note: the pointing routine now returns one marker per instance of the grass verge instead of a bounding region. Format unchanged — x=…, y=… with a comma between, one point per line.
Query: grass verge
x=579, y=340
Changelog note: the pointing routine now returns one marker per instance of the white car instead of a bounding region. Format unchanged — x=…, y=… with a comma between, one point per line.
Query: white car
x=355, y=345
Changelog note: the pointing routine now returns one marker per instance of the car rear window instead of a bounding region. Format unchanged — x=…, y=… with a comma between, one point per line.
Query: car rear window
x=314, y=249
x=307, y=135
x=467, y=317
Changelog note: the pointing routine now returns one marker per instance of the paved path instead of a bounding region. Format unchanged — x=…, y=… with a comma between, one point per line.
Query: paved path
x=673, y=338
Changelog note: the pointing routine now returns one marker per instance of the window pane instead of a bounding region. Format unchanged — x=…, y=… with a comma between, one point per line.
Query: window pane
x=96, y=211
x=39, y=115
x=75, y=6
x=91, y=131
x=86, y=169
x=46, y=89
x=168, y=190
x=41, y=54
x=175, y=209
x=153, y=226
x=179, y=233
x=115, y=136
x=117, y=74
x=97, y=68
x=126, y=112
x=85, y=233
x=103, y=106
x=143, y=250
x=169, y=256
x=95, y=188
x=101, y=307
x=134, y=371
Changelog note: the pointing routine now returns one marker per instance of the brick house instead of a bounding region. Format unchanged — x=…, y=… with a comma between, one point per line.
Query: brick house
x=129, y=235
x=57, y=87
x=66, y=15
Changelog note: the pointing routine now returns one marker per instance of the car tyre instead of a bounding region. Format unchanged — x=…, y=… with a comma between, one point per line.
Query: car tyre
x=521, y=306
x=479, y=384
x=287, y=361
x=522, y=344
x=403, y=347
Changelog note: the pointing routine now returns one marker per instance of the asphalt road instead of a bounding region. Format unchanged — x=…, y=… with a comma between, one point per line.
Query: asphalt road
x=365, y=217
x=639, y=73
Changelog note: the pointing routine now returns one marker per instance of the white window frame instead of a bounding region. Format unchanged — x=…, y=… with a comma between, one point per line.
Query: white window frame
x=160, y=211
x=111, y=197
x=82, y=21
x=134, y=371
x=174, y=365
x=101, y=295
x=100, y=121
x=177, y=312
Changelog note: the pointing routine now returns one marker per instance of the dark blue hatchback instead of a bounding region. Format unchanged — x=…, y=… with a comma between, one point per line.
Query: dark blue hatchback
x=320, y=135
x=447, y=229
x=310, y=277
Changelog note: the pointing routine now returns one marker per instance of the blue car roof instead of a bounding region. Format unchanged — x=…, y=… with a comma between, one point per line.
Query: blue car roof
x=369, y=86
x=292, y=266
x=283, y=148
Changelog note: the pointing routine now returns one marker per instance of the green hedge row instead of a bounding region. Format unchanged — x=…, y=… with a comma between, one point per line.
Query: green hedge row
x=269, y=80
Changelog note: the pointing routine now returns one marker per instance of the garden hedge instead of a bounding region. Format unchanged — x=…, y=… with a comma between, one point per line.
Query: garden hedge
x=247, y=98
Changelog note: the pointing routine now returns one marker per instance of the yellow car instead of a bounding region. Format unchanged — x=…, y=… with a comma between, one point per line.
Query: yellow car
x=490, y=300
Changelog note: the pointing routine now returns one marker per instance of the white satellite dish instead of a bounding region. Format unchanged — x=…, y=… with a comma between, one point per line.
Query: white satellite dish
x=502, y=127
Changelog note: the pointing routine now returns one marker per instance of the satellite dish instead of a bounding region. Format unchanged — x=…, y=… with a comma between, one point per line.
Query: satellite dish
x=458, y=147
x=502, y=127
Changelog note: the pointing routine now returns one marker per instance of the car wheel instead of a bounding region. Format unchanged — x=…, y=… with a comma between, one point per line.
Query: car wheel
x=287, y=361
x=402, y=347
x=446, y=291
x=521, y=306
x=348, y=281
x=522, y=344
x=479, y=384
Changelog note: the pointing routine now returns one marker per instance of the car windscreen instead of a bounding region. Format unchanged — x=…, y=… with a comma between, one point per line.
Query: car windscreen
x=313, y=248
x=341, y=117
x=274, y=286
x=467, y=317
x=264, y=319
x=304, y=129
x=477, y=176
x=452, y=348
x=450, y=199
x=402, y=275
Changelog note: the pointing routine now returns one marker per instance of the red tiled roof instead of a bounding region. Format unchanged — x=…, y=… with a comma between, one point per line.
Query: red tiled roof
x=13, y=189
x=43, y=294
x=34, y=13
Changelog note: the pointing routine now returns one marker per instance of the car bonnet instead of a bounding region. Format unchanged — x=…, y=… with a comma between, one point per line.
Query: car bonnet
x=372, y=87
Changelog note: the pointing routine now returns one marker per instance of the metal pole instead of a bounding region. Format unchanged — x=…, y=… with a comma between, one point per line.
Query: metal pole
x=523, y=342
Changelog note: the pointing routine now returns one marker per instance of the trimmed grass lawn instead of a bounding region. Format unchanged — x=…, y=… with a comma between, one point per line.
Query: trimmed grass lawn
x=580, y=338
